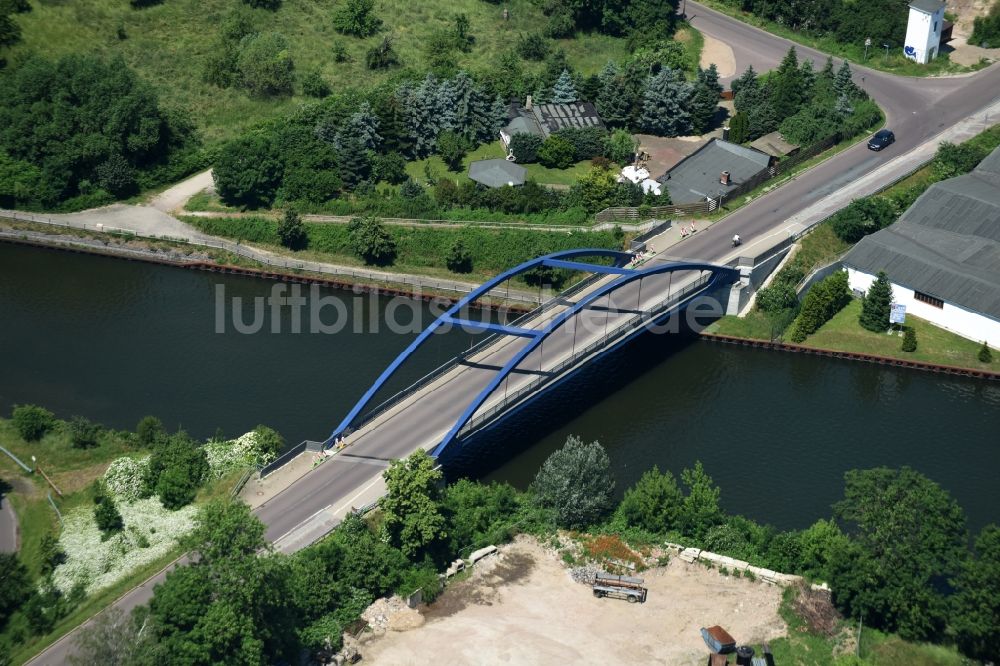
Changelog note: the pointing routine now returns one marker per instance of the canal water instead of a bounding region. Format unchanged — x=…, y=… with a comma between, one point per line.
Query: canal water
x=114, y=340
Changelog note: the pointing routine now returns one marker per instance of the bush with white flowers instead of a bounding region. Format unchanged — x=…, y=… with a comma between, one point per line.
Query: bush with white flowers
x=239, y=453
x=150, y=532
x=124, y=477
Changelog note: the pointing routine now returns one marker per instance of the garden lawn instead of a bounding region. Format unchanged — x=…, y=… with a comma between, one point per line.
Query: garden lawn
x=417, y=169
x=169, y=43
x=934, y=345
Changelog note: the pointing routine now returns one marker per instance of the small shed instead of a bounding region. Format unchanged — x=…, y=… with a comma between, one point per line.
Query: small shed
x=774, y=145
x=497, y=173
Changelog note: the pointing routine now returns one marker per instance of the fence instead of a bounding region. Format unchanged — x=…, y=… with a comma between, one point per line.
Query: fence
x=639, y=242
x=55, y=508
x=17, y=460
x=269, y=260
x=289, y=455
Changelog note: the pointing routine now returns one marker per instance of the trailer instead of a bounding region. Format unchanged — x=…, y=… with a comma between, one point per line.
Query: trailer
x=620, y=587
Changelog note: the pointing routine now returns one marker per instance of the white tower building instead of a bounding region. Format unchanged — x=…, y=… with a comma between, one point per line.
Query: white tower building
x=923, y=31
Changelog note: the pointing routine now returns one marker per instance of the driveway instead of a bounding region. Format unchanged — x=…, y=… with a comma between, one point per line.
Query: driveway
x=8, y=521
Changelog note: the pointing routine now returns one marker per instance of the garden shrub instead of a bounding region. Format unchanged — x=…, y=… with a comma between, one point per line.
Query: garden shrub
x=32, y=422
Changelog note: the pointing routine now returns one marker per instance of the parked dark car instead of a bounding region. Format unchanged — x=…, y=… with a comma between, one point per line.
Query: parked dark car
x=881, y=140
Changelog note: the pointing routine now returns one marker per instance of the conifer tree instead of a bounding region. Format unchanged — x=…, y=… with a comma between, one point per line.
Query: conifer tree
x=666, y=105
x=392, y=126
x=808, y=76
x=705, y=99
x=843, y=84
x=746, y=80
x=738, y=128
x=786, y=86
x=985, y=355
x=564, y=92
x=827, y=71
x=909, y=340
x=363, y=126
x=877, y=304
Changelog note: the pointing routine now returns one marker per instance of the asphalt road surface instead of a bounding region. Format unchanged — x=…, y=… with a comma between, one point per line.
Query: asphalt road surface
x=917, y=109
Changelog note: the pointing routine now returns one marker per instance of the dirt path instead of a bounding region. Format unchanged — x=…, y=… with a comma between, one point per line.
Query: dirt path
x=720, y=54
x=174, y=198
x=523, y=608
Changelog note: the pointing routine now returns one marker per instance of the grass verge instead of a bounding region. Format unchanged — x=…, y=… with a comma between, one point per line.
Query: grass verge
x=934, y=344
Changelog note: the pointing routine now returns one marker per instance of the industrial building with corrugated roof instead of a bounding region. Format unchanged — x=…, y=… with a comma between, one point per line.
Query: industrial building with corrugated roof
x=943, y=255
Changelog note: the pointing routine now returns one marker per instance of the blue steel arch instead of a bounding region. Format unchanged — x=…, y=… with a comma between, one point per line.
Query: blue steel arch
x=536, y=336
x=447, y=317
x=637, y=274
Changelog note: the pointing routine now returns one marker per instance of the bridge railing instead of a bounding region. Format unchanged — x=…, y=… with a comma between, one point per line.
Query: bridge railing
x=288, y=455
x=477, y=348
x=620, y=330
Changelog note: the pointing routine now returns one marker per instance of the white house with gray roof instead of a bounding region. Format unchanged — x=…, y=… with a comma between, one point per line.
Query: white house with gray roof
x=943, y=255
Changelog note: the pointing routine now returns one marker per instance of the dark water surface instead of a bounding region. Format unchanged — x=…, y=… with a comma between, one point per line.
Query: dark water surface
x=114, y=340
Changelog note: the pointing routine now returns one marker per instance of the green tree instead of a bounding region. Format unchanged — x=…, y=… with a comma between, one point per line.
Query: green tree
x=233, y=604
x=620, y=147
x=532, y=46
x=777, y=297
x=32, y=422
x=390, y=167
x=269, y=441
x=909, y=540
x=525, y=147
x=272, y=5
x=83, y=434
x=265, y=64
x=654, y=503
x=371, y=241
x=739, y=128
x=954, y=160
x=149, y=431
x=291, y=231
x=666, y=105
x=459, y=259
x=15, y=585
x=452, y=147
x=786, y=86
x=357, y=18
x=976, y=618
x=876, y=306
x=823, y=300
x=564, y=91
x=556, y=152
x=382, y=56
x=575, y=482
x=705, y=99
x=700, y=510
x=985, y=355
x=10, y=31
x=862, y=217
x=248, y=171
x=314, y=85
x=986, y=29
x=411, y=508
x=106, y=515
x=113, y=638
x=909, y=340
x=478, y=513
x=176, y=470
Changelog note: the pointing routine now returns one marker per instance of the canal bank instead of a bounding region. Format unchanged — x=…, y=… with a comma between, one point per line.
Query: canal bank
x=114, y=341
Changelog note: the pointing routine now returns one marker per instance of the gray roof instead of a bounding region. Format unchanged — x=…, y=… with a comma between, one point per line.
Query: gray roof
x=947, y=244
x=544, y=119
x=929, y=6
x=697, y=176
x=497, y=173
x=774, y=144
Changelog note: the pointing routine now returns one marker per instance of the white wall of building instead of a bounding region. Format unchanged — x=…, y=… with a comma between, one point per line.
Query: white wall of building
x=923, y=35
x=954, y=318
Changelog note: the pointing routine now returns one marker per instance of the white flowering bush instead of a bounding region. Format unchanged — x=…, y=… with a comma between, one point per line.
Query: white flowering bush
x=150, y=532
x=124, y=477
x=239, y=453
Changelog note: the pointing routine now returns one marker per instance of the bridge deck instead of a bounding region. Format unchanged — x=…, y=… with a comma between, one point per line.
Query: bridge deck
x=422, y=419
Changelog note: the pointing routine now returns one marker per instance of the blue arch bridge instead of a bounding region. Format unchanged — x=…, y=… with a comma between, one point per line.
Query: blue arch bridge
x=514, y=363
x=525, y=357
